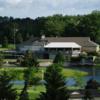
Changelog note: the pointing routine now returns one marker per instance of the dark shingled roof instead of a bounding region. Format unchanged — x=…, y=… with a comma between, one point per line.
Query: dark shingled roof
x=83, y=41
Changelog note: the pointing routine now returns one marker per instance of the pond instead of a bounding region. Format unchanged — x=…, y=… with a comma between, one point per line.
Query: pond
x=83, y=80
x=94, y=73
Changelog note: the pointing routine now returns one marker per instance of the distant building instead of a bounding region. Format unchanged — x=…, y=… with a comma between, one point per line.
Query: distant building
x=85, y=42
x=34, y=44
x=69, y=45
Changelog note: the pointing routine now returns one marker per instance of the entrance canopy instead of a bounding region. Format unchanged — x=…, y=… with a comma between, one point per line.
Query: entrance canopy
x=62, y=45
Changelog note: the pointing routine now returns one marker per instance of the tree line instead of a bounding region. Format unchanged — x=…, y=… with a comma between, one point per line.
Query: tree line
x=57, y=25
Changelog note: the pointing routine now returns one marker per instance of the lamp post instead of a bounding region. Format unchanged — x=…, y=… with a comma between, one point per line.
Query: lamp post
x=94, y=69
x=15, y=30
x=42, y=74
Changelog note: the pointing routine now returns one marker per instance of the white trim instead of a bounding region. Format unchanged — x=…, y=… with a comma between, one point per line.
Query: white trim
x=62, y=45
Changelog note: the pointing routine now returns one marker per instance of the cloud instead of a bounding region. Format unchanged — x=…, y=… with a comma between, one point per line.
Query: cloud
x=35, y=8
x=13, y=2
x=18, y=3
x=49, y=7
x=1, y=9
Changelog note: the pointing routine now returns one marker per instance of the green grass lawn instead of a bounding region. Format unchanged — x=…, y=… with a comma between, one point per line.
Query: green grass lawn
x=9, y=60
x=33, y=91
x=72, y=73
x=18, y=72
x=10, y=47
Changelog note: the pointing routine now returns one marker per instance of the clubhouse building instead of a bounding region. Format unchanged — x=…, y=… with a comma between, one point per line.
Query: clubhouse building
x=68, y=45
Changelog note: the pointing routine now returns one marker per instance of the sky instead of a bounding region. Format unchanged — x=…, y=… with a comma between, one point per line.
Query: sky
x=38, y=8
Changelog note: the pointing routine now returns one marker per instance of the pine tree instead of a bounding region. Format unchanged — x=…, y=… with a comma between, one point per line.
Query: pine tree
x=55, y=85
x=29, y=60
x=19, y=38
x=7, y=92
x=59, y=59
x=1, y=59
x=24, y=94
x=28, y=76
x=5, y=42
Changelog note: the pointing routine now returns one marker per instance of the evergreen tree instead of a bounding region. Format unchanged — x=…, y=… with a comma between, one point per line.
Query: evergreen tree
x=55, y=84
x=19, y=38
x=91, y=87
x=59, y=58
x=29, y=60
x=28, y=78
x=5, y=42
x=24, y=94
x=27, y=36
x=7, y=92
x=1, y=59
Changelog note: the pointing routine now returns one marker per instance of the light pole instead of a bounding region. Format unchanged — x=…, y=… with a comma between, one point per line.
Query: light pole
x=94, y=69
x=42, y=74
x=15, y=30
